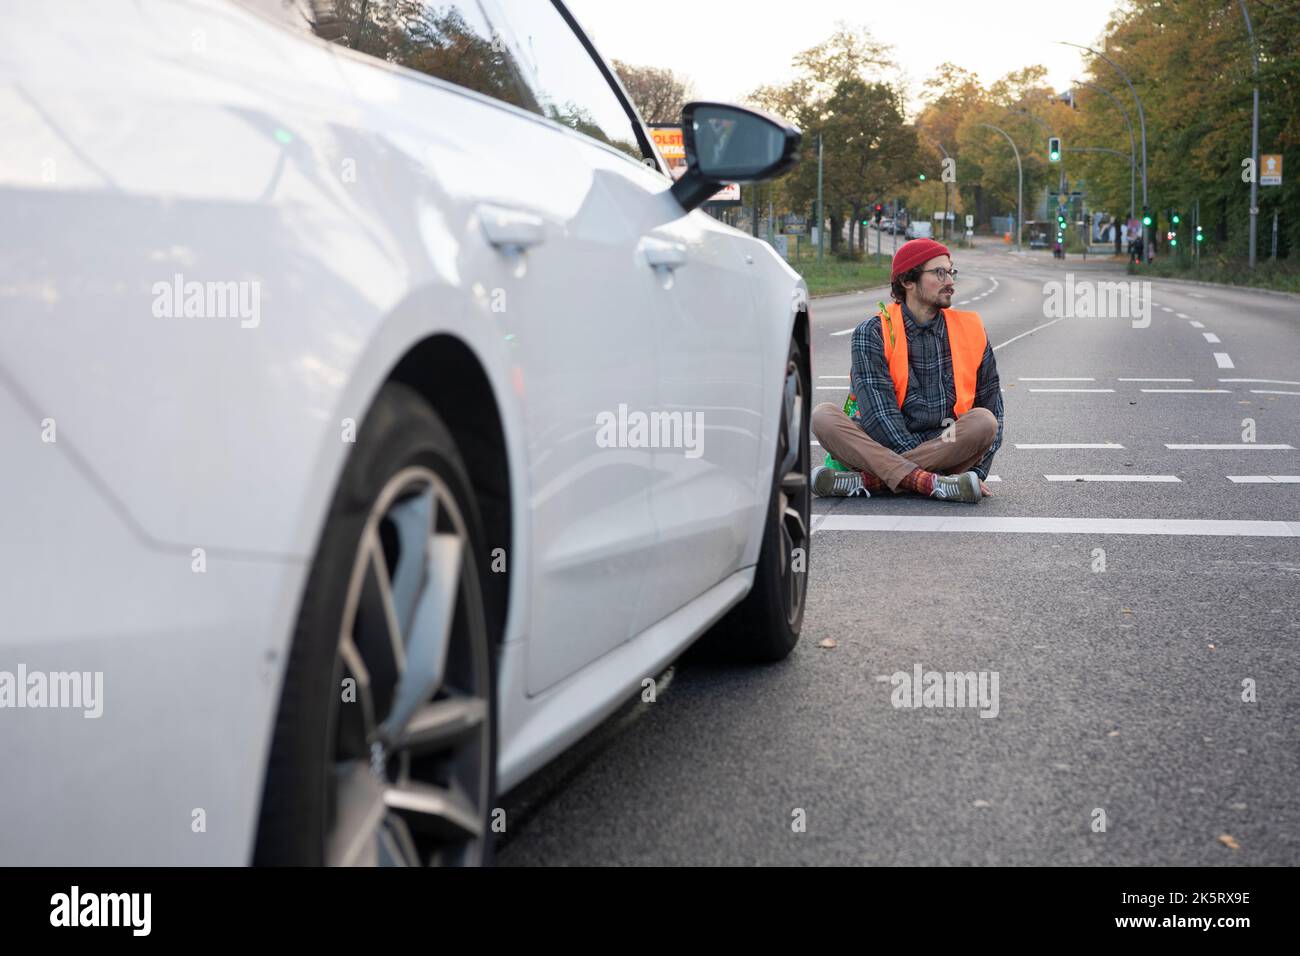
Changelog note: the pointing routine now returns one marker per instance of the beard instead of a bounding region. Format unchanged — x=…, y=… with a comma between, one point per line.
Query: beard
x=940, y=300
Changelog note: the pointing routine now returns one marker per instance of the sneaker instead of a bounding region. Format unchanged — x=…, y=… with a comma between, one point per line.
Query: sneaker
x=963, y=487
x=830, y=483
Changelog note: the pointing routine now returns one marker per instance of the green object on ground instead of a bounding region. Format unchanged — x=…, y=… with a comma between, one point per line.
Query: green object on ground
x=850, y=409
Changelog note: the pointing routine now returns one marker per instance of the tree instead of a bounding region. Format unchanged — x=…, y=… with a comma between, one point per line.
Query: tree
x=658, y=94
x=843, y=89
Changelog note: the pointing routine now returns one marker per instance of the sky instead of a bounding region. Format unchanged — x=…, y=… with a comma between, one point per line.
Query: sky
x=733, y=46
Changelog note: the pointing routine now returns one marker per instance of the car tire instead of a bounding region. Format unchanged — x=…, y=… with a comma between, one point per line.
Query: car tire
x=384, y=748
x=765, y=626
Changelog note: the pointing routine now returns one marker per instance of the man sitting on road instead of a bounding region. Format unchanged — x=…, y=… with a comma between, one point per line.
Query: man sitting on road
x=929, y=416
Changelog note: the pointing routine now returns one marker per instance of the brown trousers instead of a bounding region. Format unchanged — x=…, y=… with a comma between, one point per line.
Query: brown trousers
x=972, y=436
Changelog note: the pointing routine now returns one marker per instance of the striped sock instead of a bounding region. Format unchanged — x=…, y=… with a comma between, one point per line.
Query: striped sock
x=874, y=484
x=918, y=481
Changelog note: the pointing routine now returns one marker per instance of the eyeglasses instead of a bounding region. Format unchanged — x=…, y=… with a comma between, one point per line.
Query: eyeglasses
x=942, y=274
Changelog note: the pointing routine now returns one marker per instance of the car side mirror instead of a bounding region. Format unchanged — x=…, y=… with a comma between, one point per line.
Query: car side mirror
x=731, y=144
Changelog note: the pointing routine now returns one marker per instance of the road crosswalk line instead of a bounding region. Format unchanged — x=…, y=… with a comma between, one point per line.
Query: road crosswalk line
x=1028, y=525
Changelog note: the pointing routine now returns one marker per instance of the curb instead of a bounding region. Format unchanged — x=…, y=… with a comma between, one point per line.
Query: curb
x=1221, y=285
x=831, y=295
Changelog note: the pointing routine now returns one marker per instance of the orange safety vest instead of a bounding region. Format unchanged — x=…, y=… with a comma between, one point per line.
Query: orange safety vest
x=966, y=342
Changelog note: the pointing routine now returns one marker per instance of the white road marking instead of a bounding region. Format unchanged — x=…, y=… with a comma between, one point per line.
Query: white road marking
x=1165, y=308
x=1183, y=315
x=1241, y=446
x=1211, y=338
x=993, y=478
x=964, y=302
x=1011, y=525
x=1223, y=361
x=833, y=376
x=1260, y=381
x=1071, y=390
x=1030, y=332
x=1195, y=295
x=1074, y=445
x=1113, y=478
x=1198, y=325
x=1155, y=379
x=832, y=388
x=1188, y=391
x=844, y=331
x=1270, y=391
x=1023, y=379
x=1265, y=479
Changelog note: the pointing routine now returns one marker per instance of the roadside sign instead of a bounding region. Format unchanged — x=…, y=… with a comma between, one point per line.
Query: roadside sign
x=970, y=221
x=669, y=141
x=1270, y=169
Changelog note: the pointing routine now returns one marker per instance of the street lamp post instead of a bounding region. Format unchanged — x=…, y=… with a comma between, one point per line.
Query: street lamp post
x=1020, y=183
x=1132, y=166
x=1254, y=136
x=943, y=229
x=821, y=225
x=1142, y=122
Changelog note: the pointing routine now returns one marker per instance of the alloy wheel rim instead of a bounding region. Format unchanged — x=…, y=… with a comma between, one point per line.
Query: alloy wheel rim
x=794, y=499
x=409, y=753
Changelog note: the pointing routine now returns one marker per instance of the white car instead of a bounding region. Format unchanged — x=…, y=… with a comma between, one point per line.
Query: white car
x=377, y=415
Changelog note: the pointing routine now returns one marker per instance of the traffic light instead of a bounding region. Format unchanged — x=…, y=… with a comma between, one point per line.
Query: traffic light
x=922, y=177
x=1175, y=218
x=880, y=212
x=1054, y=149
x=1146, y=218
x=1200, y=236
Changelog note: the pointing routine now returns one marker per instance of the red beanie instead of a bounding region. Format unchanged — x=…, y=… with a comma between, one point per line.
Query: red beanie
x=916, y=252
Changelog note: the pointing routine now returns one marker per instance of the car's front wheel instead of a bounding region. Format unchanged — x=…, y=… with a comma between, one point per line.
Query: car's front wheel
x=765, y=626
x=385, y=743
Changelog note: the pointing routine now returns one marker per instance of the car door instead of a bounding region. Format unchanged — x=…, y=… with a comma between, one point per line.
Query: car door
x=533, y=158
x=712, y=375
x=585, y=339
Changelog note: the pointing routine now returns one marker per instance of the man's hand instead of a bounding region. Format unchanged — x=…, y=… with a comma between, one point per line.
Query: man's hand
x=984, y=490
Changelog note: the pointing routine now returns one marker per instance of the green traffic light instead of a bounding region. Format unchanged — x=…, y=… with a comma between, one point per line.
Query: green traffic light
x=1199, y=237
x=1173, y=242
x=1146, y=220
x=923, y=177
x=1176, y=219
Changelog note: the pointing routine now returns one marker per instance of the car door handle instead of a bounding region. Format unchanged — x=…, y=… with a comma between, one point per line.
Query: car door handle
x=511, y=230
x=663, y=254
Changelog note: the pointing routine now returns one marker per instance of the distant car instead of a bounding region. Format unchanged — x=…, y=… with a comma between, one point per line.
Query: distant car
x=920, y=229
x=379, y=414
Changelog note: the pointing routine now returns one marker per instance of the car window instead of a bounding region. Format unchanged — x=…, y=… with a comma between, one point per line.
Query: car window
x=561, y=75
x=455, y=42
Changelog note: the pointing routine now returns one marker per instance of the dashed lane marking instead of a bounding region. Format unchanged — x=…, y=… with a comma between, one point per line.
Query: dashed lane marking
x=1112, y=478
x=1241, y=446
x=1222, y=360
x=1073, y=445
x=1260, y=381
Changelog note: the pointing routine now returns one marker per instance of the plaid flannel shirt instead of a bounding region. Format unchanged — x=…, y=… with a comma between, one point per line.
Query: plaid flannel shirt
x=931, y=393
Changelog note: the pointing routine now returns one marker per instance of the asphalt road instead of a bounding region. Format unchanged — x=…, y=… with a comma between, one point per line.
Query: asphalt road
x=1122, y=655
